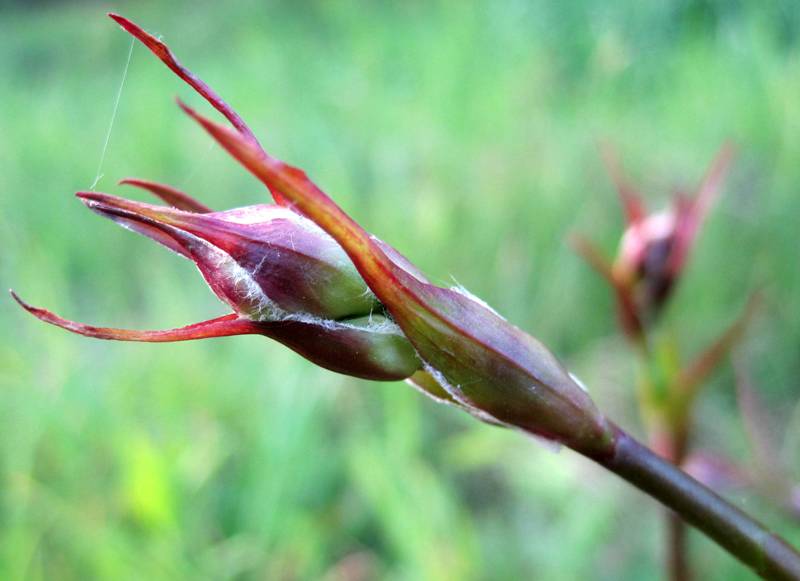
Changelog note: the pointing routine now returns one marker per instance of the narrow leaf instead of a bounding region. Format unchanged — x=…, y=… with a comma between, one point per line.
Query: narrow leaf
x=172, y=196
x=691, y=379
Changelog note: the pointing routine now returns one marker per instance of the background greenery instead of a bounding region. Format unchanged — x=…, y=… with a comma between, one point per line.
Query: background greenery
x=462, y=133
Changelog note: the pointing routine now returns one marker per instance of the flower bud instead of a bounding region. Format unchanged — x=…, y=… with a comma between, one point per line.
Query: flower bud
x=484, y=364
x=282, y=275
x=267, y=262
x=286, y=279
x=654, y=247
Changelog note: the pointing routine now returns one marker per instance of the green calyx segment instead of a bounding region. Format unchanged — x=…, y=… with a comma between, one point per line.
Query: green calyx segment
x=384, y=346
x=341, y=291
x=425, y=382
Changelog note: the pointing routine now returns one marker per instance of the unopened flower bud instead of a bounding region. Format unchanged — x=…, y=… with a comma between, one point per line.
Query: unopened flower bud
x=283, y=277
x=483, y=363
x=654, y=247
x=267, y=262
x=311, y=298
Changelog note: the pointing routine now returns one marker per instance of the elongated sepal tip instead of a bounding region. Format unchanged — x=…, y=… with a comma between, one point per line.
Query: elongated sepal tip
x=172, y=196
x=31, y=309
x=51, y=318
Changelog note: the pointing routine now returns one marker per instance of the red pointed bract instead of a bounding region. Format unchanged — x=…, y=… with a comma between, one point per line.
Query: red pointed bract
x=220, y=327
x=627, y=310
x=305, y=197
x=691, y=214
x=339, y=348
x=629, y=196
x=162, y=51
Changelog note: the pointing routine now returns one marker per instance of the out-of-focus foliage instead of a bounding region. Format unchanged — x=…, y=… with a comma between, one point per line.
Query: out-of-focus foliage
x=463, y=134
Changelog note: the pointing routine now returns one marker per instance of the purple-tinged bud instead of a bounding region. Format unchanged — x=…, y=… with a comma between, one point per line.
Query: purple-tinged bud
x=283, y=276
x=472, y=357
x=483, y=363
x=655, y=247
x=267, y=262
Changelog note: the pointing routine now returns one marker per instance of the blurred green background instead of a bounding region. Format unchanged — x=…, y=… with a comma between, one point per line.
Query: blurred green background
x=465, y=135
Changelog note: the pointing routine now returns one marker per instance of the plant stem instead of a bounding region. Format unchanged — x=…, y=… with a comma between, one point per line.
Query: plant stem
x=673, y=446
x=676, y=558
x=744, y=538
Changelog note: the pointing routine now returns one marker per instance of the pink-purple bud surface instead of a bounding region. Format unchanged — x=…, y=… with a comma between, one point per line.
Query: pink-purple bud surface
x=306, y=274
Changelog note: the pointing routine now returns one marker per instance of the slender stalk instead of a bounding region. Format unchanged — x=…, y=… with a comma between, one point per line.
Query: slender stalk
x=670, y=441
x=744, y=538
x=676, y=558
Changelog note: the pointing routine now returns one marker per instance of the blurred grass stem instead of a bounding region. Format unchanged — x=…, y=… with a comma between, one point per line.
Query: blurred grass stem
x=676, y=558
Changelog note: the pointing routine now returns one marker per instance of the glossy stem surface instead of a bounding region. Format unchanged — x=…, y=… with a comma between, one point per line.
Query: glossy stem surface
x=746, y=539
